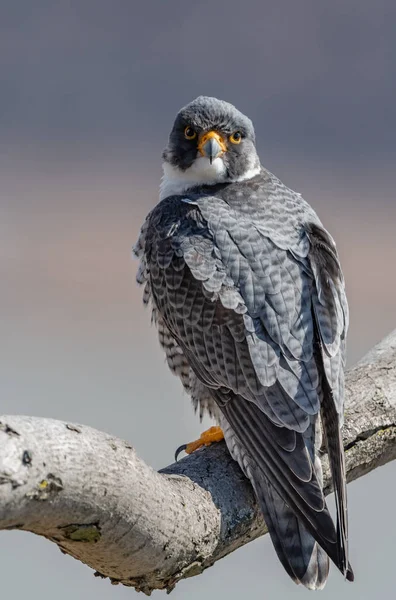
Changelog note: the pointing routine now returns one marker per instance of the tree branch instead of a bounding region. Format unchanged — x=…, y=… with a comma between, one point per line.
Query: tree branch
x=91, y=494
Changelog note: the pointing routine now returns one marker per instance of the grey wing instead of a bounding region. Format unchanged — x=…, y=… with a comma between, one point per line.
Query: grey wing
x=295, y=298
x=201, y=399
x=331, y=323
x=240, y=308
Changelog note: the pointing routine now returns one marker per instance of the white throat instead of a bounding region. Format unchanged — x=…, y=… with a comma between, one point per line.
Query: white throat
x=176, y=182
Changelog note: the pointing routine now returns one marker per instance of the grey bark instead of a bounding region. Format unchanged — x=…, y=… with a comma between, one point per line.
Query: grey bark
x=89, y=492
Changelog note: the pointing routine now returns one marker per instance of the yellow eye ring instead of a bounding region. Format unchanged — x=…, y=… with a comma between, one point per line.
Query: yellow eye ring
x=190, y=133
x=236, y=137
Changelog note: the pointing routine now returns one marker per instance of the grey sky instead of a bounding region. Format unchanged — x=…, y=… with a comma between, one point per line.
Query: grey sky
x=89, y=90
x=313, y=74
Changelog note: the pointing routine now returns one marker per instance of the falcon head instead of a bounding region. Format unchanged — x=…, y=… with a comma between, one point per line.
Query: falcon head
x=210, y=142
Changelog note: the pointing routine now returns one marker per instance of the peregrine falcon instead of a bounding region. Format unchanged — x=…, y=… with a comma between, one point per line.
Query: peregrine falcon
x=248, y=297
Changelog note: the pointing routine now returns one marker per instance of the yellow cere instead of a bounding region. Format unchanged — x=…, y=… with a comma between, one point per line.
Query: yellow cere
x=207, y=136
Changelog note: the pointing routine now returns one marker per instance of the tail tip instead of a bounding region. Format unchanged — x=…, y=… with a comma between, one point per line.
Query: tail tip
x=349, y=575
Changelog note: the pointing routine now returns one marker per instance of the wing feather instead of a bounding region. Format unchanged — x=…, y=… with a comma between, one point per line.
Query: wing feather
x=263, y=326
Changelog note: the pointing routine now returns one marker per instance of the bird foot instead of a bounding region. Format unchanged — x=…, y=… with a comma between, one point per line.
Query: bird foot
x=211, y=435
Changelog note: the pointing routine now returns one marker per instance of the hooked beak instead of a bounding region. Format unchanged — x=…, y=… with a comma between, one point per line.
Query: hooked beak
x=211, y=145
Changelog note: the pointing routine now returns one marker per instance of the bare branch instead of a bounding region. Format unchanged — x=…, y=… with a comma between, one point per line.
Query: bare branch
x=91, y=494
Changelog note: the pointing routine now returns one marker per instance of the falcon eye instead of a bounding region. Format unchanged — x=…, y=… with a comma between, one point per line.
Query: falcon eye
x=236, y=137
x=189, y=133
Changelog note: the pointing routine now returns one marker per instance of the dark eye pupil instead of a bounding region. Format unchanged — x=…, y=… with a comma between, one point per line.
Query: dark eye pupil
x=237, y=135
x=189, y=131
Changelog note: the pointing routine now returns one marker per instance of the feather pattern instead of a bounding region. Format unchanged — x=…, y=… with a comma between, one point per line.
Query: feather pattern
x=248, y=298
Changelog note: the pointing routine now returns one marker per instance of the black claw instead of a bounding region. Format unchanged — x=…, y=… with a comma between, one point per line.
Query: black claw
x=179, y=450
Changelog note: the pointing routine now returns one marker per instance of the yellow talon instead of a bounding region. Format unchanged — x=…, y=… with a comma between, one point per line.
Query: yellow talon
x=211, y=435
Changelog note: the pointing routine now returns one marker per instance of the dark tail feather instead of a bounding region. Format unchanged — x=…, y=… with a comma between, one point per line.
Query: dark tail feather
x=302, y=517
x=335, y=450
x=301, y=556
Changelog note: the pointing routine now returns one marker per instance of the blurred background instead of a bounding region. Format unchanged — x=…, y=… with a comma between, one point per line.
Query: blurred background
x=89, y=91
